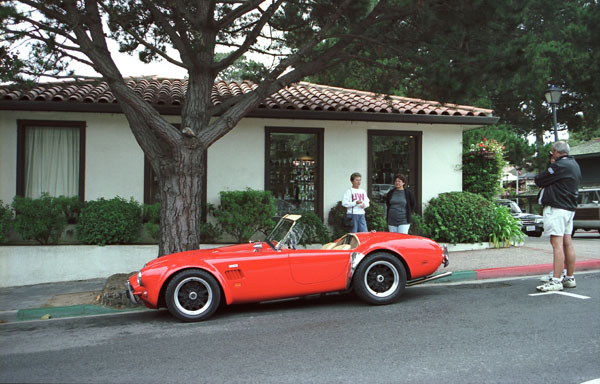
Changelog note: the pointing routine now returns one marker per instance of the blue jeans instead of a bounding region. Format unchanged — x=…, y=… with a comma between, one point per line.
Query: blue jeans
x=359, y=223
x=402, y=228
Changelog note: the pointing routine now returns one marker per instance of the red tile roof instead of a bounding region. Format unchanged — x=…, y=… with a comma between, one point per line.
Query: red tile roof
x=301, y=96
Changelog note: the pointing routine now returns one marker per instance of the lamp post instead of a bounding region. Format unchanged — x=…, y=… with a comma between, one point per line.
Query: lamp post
x=553, y=97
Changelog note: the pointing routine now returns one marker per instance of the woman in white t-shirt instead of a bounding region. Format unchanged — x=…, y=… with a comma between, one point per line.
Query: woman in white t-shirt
x=356, y=200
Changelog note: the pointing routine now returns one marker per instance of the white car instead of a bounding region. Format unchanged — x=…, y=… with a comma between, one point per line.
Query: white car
x=381, y=190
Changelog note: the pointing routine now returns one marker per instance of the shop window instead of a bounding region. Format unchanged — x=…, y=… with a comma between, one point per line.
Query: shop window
x=392, y=152
x=50, y=158
x=294, y=169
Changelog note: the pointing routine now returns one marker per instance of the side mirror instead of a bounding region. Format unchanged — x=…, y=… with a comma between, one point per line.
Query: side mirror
x=257, y=247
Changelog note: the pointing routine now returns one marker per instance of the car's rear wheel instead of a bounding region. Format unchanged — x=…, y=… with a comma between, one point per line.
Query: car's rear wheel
x=193, y=295
x=380, y=279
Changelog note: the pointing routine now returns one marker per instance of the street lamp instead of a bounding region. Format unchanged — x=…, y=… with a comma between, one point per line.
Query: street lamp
x=553, y=97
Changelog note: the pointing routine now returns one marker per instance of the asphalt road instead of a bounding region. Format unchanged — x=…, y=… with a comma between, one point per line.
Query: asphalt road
x=491, y=331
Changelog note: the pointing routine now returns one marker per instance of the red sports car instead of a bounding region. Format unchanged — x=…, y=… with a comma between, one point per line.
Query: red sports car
x=376, y=265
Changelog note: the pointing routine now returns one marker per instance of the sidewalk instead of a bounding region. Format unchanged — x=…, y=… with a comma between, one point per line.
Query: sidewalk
x=76, y=298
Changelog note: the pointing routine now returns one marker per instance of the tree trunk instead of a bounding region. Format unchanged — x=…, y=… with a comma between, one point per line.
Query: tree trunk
x=180, y=184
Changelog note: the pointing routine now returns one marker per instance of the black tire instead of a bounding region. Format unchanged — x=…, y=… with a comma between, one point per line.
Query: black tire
x=380, y=279
x=193, y=295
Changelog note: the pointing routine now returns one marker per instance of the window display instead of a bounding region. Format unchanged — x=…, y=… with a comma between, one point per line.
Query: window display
x=390, y=153
x=292, y=172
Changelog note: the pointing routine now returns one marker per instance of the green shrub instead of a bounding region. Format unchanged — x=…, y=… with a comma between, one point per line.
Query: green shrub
x=71, y=207
x=418, y=226
x=243, y=213
x=5, y=221
x=506, y=229
x=151, y=219
x=314, y=229
x=210, y=233
x=39, y=219
x=152, y=229
x=374, y=215
x=151, y=213
x=114, y=221
x=459, y=217
x=336, y=213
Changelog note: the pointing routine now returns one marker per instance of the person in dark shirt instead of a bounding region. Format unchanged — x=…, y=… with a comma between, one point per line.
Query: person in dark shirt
x=400, y=203
x=559, y=184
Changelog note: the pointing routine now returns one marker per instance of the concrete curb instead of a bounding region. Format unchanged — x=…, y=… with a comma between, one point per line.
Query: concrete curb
x=523, y=270
x=47, y=313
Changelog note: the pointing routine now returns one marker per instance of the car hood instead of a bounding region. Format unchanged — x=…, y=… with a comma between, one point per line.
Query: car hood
x=225, y=252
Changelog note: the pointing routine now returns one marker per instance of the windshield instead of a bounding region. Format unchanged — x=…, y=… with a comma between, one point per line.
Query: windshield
x=287, y=233
x=511, y=205
x=278, y=234
x=514, y=207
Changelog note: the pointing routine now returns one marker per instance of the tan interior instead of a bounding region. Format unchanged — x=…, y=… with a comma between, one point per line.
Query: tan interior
x=342, y=247
x=348, y=241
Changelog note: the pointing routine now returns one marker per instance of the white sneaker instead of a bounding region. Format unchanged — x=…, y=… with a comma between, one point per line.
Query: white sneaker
x=549, y=276
x=552, y=285
x=569, y=282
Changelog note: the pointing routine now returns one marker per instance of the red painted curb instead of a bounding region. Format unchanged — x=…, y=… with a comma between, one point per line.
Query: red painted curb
x=527, y=270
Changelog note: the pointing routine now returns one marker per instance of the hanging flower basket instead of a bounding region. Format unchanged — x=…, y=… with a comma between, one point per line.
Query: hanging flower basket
x=487, y=149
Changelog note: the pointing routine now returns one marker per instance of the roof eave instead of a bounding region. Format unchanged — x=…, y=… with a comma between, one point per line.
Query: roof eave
x=374, y=116
x=45, y=106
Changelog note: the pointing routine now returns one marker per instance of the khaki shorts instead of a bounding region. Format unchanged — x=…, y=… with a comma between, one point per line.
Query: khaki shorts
x=558, y=222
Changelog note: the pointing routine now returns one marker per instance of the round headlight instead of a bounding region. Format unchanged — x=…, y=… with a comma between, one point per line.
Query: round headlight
x=139, y=278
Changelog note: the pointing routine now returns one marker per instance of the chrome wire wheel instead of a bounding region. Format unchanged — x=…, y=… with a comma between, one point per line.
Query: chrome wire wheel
x=193, y=296
x=381, y=278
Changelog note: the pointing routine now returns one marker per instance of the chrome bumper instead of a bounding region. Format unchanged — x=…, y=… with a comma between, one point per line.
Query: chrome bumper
x=134, y=299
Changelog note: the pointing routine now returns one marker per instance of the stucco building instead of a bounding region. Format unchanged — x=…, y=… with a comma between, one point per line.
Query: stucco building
x=302, y=143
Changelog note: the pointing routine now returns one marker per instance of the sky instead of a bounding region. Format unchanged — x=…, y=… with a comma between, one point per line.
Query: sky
x=132, y=66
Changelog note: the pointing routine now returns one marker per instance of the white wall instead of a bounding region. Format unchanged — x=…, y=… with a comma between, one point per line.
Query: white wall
x=442, y=158
x=114, y=160
x=236, y=161
x=115, y=163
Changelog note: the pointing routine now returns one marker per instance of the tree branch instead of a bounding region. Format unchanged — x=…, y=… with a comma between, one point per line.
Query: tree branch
x=139, y=39
x=237, y=12
x=250, y=38
x=180, y=41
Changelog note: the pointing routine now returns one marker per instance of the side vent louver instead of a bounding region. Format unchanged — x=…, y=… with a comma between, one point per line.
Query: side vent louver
x=234, y=274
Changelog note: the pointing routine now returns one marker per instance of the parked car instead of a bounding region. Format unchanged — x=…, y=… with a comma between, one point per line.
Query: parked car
x=587, y=214
x=381, y=190
x=531, y=224
x=376, y=265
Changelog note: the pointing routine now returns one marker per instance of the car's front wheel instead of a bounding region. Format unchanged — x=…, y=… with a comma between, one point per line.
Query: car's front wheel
x=193, y=295
x=380, y=279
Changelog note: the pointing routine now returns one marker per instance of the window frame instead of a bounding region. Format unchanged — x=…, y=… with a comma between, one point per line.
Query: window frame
x=22, y=126
x=320, y=157
x=418, y=136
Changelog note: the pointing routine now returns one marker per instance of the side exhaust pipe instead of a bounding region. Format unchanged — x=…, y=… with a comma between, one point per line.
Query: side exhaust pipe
x=427, y=279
